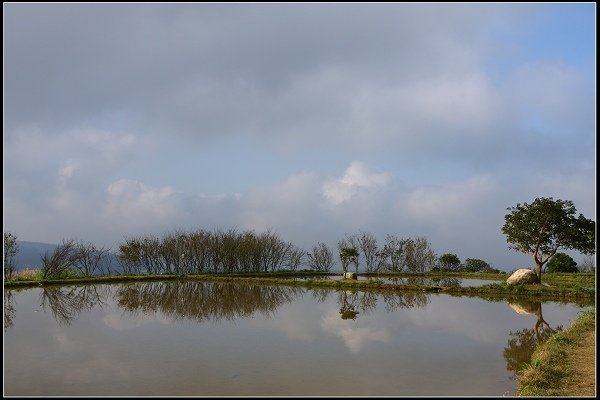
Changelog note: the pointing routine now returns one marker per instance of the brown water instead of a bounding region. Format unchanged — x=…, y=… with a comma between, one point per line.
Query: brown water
x=209, y=339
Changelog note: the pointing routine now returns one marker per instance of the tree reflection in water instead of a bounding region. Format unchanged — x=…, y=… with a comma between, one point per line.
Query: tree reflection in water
x=67, y=302
x=522, y=343
x=354, y=303
x=9, y=309
x=420, y=281
x=446, y=282
x=348, y=302
x=204, y=300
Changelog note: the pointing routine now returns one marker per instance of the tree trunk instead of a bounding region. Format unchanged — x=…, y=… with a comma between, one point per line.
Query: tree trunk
x=538, y=271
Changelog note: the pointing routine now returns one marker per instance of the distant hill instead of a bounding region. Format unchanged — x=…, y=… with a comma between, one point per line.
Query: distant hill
x=29, y=254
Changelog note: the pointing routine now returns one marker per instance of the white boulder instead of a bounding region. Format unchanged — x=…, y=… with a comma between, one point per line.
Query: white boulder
x=522, y=276
x=350, y=275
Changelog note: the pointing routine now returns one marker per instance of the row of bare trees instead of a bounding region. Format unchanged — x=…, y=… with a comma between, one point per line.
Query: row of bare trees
x=231, y=251
x=396, y=254
x=76, y=257
x=68, y=258
x=204, y=251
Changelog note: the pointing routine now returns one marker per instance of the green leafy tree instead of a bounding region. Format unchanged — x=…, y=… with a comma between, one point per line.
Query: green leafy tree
x=476, y=265
x=561, y=262
x=348, y=255
x=545, y=226
x=449, y=262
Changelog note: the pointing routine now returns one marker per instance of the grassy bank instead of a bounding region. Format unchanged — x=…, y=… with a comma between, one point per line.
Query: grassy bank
x=565, y=364
x=556, y=286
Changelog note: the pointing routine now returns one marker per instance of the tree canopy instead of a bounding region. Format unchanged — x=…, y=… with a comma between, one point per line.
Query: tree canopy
x=449, y=262
x=561, y=262
x=545, y=226
x=348, y=255
x=476, y=265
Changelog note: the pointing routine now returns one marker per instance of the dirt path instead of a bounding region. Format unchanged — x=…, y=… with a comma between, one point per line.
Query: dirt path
x=582, y=362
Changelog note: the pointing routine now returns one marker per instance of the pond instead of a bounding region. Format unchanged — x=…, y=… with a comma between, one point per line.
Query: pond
x=183, y=338
x=410, y=281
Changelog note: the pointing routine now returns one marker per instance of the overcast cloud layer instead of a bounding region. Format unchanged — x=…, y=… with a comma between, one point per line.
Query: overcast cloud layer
x=314, y=120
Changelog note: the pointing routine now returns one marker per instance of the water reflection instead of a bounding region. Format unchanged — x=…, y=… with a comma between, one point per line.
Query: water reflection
x=348, y=301
x=9, y=309
x=446, y=282
x=308, y=342
x=353, y=303
x=411, y=280
x=405, y=300
x=216, y=301
x=522, y=343
x=67, y=302
x=204, y=300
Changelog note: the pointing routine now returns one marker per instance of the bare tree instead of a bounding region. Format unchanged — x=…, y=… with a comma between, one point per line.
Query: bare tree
x=295, y=257
x=91, y=259
x=367, y=244
x=588, y=264
x=394, y=252
x=170, y=251
x=197, y=253
x=275, y=251
x=152, y=257
x=419, y=255
x=61, y=261
x=10, y=251
x=320, y=258
x=130, y=255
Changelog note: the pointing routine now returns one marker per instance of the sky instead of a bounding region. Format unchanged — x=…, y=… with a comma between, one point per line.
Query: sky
x=313, y=120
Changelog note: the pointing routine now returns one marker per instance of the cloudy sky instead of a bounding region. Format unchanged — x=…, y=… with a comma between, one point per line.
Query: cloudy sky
x=313, y=120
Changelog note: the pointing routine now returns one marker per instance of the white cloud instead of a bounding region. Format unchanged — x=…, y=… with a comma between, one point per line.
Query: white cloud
x=134, y=201
x=454, y=201
x=126, y=321
x=467, y=321
x=286, y=203
x=356, y=178
x=69, y=167
x=297, y=322
x=355, y=334
x=33, y=149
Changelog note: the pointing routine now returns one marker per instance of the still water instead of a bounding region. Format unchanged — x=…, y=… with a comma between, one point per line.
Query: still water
x=410, y=281
x=225, y=339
